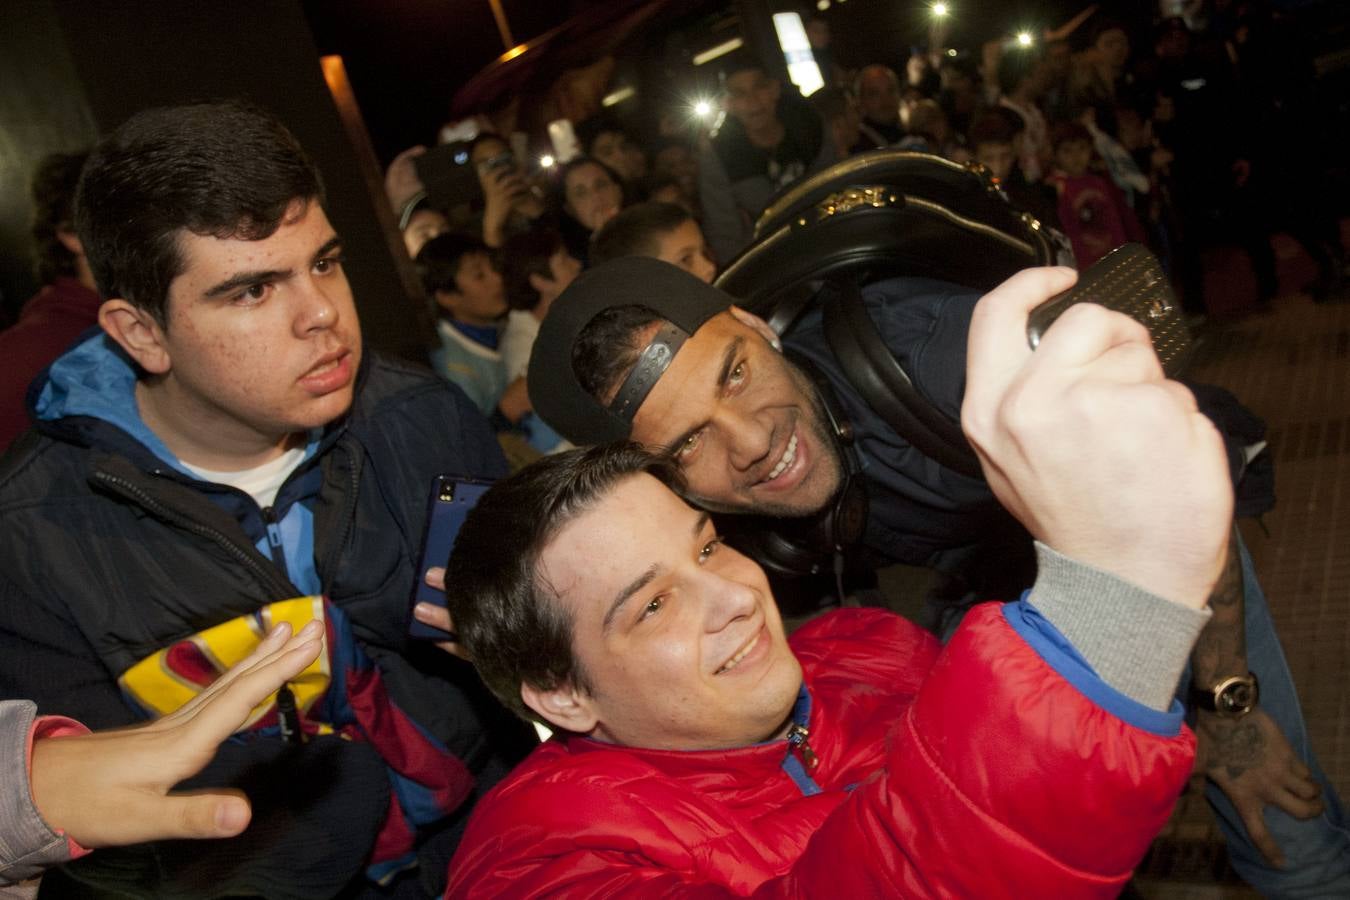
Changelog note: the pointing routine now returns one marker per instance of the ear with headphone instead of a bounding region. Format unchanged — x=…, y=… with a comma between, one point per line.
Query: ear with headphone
x=816, y=544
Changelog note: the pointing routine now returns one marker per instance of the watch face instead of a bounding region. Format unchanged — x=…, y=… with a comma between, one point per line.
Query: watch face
x=1237, y=697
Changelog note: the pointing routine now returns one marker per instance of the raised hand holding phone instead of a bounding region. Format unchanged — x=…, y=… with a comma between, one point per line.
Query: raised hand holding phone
x=1090, y=446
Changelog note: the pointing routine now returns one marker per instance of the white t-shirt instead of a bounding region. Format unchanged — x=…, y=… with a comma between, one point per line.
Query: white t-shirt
x=517, y=342
x=261, y=482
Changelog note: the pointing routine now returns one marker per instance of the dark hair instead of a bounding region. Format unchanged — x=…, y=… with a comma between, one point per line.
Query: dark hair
x=524, y=255
x=483, y=137
x=1016, y=64
x=1064, y=132
x=53, y=193
x=647, y=188
x=830, y=103
x=997, y=124
x=589, y=131
x=636, y=231
x=874, y=67
x=439, y=259
x=990, y=130
x=606, y=350
x=223, y=170
x=1105, y=24
x=506, y=614
x=742, y=59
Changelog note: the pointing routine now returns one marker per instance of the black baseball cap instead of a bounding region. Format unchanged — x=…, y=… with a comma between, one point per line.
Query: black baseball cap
x=671, y=293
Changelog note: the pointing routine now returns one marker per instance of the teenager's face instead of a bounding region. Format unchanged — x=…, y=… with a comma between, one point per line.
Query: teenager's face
x=742, y=423
x=998, y=157
x=262, y=337
x=677, y=161
x=614, y=149
x=1073, y=157
x=484, y=150
x=879, y=96
x=593, y=198
x=685, y=247
x=1114, y=47
x=752, y=98
x=679, y=635
x=479, y=298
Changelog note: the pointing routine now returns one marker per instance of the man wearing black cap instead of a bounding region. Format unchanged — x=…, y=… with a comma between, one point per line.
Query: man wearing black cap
x=700, y=752
x=639, y=349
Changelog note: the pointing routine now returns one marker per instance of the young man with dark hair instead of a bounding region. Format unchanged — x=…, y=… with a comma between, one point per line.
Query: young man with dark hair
x=700, y=752
x=1023, y=78
x=656, y=356
x=222, y=456
x=662, y=231
x=605, y=139
x=66, y=306
x=770, y=139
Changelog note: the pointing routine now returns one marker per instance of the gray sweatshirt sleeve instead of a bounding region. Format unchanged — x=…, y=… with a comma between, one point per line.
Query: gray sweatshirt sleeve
x=27, y=844
x=1136, y=642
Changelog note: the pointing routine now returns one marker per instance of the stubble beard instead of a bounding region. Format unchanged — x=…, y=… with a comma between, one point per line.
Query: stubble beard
x=826, y=479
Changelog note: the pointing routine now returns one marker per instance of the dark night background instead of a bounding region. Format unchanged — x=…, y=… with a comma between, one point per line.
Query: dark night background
x=406, y=58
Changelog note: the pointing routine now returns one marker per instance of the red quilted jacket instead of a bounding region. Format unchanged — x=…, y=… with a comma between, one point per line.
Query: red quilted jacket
x=973, y=770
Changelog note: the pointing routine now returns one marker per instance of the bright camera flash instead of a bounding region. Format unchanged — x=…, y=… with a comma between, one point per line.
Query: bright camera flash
x=1024, y=38
x=940, y=9
x=547, y=161
x=703, y=109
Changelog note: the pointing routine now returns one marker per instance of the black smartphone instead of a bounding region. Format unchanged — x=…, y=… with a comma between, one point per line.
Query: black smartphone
x=448, y=177
x=451, y=499
x=1129, y=280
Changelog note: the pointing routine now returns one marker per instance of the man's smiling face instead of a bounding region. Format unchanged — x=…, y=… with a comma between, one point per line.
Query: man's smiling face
x=744, y=425
x=679, y=636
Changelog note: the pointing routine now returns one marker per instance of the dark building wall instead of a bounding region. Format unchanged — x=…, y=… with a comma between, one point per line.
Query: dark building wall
x=127, y=55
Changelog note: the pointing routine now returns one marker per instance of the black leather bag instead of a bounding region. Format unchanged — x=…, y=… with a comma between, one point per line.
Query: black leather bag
x=873, y=216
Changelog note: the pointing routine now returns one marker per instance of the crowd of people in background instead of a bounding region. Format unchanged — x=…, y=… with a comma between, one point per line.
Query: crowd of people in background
x=1103, y=133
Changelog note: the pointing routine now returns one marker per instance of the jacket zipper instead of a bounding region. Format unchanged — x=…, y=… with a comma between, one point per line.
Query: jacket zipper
x=797, y=743
x=265, y=574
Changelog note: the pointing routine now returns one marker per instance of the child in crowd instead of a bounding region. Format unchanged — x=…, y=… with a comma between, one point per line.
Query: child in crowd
x=536, y=268
x=664, y=231
x=469, y=300
x=1092, y=209
x=994, y=142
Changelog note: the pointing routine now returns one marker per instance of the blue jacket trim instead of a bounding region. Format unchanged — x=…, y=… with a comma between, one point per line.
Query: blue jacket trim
x=792, y=763
x=96, y=379
x=1065, y=659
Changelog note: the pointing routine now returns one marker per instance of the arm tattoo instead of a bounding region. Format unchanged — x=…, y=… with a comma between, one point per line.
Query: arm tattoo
x=1221, y=650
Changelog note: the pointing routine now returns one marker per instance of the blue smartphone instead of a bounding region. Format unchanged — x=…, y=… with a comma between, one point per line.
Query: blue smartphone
x=451, y=499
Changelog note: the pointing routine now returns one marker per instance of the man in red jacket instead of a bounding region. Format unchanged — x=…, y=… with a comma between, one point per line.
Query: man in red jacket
x=703, y=753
